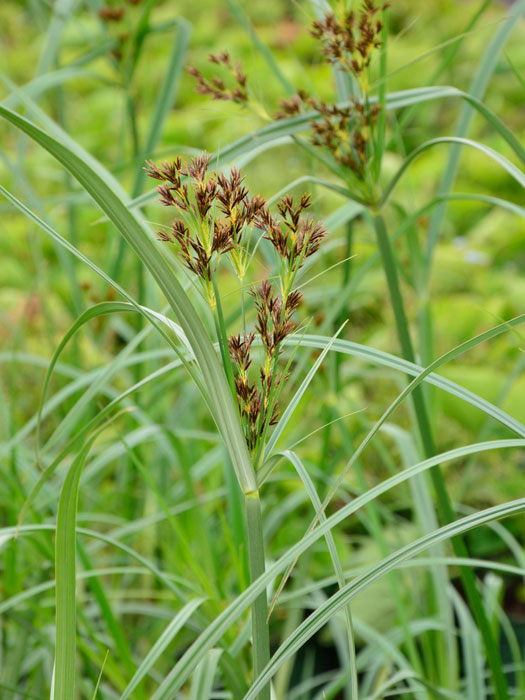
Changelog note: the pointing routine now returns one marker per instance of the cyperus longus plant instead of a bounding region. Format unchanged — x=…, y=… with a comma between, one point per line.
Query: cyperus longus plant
x=248, y=262
x=349, y=137
x=218, y=220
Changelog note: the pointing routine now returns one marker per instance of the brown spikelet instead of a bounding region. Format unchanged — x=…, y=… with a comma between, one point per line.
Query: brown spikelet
x=111, y=14
x=344, y=131
x=216, y=87
x=350, y=40
x=295, y=237
x=221, y=202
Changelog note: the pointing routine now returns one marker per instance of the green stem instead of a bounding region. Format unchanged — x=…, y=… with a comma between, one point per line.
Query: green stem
x=222, y=337
x=260, y=629
x=254, y=529
x=444, y=504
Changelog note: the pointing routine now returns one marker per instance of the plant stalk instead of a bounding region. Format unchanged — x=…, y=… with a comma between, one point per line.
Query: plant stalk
x=444, y=503
x=260, y=629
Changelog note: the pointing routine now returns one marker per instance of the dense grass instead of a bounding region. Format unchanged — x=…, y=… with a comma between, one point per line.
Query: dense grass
x=379, y=525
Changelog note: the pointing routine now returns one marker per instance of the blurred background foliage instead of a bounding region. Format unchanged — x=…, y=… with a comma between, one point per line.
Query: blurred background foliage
x=105, y=77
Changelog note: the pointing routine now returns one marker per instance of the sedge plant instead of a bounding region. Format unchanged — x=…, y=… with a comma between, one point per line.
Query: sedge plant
x=218, y=219
x=350, y=138
x=225, y=248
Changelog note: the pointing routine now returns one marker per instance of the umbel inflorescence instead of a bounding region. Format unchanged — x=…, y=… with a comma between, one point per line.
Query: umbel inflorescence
x=216, y=87
x=349, y=39
x=216, y=217
x=217, y=214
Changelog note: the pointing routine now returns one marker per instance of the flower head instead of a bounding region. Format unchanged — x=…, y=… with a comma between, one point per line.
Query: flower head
x=217, y=208
x=215, y=86
x=215, y=214
x=294, y=237
x=349, y=40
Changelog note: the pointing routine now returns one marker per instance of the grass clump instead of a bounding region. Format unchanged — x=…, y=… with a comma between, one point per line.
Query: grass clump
x=240, y=424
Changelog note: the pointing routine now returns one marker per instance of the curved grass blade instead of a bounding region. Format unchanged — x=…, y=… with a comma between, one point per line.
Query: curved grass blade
x=96, y=311
x=357, y=350
x=148, y=314
x=161, y=644
x=477, y=90
x=336, y=563
x=260, y=140
x=166, y=94
x=513, y=171
x=48, y=81
x=184, y=667
x=108, y=195
x=92, y=424
x=336, y=602
x=204, y=676
x=14, y=532
x=34, y=591
x=455, y=352
x=290, y=408
x=385, y=359
x=62, y=10
x=472, y=650
x=100, y=675
x=216, y=629
x=65, y=577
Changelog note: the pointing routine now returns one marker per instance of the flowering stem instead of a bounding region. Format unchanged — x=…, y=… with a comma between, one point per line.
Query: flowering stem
x=260, y=630
x=243, y=310
x=254, y=529
x=444, y=504
x=222, y=337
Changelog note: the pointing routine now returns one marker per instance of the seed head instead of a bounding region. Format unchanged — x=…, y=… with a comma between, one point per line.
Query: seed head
x=295, y=237
x=215, y=86
x=240, y=348
x=351, y=39
x=219, y=202
x=344, y=132
x=111, y=14
x=291, y=106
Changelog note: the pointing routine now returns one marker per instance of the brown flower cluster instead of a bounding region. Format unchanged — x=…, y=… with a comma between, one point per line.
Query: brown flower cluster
x=291, y=106
x=257, y=402
x=108, y=13
x=215, y=87
x=217, y=211
x=295, y=237
x=351, y=39
x=217, y=206
x=344, y=131
x=274, y=319
x=253, y=401
x=111, y=14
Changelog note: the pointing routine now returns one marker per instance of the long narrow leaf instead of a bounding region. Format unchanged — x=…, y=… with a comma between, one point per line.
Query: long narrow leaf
x=107, y=194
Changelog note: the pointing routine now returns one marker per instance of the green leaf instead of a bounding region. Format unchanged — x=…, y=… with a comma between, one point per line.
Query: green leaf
x=336, y=562
x=477, y=90
x=513, y=171
x=324, y=612
x=184, y=667
x=166, y=95
x=290, y=408
x=161, y=645
x=65, y=580
x=378, y=357
x=204, y=676
x=108, y=195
